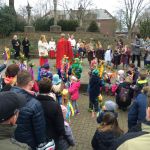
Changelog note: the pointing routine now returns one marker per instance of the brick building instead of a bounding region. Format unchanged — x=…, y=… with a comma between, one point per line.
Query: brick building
x=104, y=19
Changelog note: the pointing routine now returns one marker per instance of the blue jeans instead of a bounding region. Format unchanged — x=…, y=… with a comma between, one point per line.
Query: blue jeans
x=75, y=105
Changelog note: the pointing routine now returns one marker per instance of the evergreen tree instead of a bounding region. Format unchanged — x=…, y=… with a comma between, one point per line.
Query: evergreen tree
x=93, y=27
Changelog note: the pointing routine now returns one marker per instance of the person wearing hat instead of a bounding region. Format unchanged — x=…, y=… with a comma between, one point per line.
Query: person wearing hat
x=10, y=103
x=109, y=106
x=94, y=91
x=57, y=87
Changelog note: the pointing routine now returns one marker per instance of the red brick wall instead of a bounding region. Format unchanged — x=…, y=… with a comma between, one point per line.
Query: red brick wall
x=107, y=27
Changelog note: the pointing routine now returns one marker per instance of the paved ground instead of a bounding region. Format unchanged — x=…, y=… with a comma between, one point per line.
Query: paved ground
x=83, y=125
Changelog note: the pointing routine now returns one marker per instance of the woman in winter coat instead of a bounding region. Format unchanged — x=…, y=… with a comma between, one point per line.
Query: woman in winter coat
x=106, y=134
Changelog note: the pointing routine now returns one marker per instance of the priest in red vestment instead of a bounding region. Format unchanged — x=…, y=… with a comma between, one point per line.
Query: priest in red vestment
x=63, y=48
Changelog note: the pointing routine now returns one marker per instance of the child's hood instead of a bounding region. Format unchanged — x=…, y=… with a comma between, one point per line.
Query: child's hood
x=76, y=84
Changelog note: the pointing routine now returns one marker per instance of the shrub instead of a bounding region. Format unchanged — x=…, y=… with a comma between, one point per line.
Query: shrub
x=20, y=23
x=68, y=25
x=7, y=20
x=93, y=27
x=43, y=24
x=145, y=28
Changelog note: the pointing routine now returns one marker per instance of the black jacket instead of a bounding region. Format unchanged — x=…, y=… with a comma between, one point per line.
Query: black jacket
x=103, y=140
x=53, y=116
x=16, y=44
x=31, y=123
x=94, y=89
x=25, y=45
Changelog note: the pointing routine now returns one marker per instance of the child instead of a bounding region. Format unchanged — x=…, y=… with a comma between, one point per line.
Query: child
x=45, y=72
x=57, y=88
x=67, y=104
x=107, y=82
x=108, y=55
x=74, y=92
x=94, y=91
x=107, y=133
x=108, y=106
x=68, y=141
x=120, y=76
x=124, y=94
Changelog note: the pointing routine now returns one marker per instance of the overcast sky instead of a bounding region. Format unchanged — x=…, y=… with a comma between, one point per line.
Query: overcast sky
x=110, y=5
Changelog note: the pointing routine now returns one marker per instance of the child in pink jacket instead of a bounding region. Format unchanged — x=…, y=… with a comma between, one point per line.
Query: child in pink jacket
x=74, y=92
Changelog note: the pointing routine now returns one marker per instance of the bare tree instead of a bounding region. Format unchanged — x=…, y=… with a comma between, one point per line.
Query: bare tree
x=132, y=9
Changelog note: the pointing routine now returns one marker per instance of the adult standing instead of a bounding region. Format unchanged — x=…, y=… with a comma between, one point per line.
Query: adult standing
x=136, y=51
x=73, y=44
x=26, y=45
x=31, y=122
x=52, y=111
x=43, y=50
x=12, y=103
x=16, y=46
x=63, y=48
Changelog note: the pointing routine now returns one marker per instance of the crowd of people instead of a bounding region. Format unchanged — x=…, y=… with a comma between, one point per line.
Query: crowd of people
x=37, y=113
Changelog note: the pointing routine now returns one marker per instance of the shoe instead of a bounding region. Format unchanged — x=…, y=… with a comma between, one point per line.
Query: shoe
x=77, y=112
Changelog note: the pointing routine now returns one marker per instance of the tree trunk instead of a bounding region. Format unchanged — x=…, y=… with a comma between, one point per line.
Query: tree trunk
x=11, y=3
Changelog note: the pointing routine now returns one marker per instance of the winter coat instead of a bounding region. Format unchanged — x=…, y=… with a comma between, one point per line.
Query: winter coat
x=74, y=90
x=136, y=47
x=126, y=103
x=53, y=116
x=133, y=140
x=6, y=140
x=103, y=140
x=94, y=87
x=25, y=45
x=31, y=123
x=137, y=112
x=65, y=143
x=14, y=44
x=100, y=54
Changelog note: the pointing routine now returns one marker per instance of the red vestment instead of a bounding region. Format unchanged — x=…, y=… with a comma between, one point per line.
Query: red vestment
x=63, y=48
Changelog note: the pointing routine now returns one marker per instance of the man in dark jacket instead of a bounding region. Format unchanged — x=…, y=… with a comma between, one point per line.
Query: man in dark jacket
x=10, y=103
x=138, y=136
x=52, y=111
x=31, y=123
x=16, y=46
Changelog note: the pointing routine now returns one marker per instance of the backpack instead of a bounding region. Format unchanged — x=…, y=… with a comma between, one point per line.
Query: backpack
x=123, y=94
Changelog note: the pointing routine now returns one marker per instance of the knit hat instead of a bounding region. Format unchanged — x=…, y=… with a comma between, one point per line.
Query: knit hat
x=110, y=105
x=64, y=111
x=56, y=80
x=9, y=103
x=95, y=72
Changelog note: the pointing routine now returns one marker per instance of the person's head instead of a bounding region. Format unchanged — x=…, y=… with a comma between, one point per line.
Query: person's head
x=143, y=75
x=65, y=96
x=43, y=38
x=72, y=36
x=110, y=123
x=109, y=47
x=24, y=80
x=131, y=67
x=74, y=79
x=110, y=106
x=10, y=103
x=52, y=39
x=26, y=38
x=15, y=37
x=62, y=35
x=56, y=79
x=138, y=36
x=45, y=85
x=11, y=74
